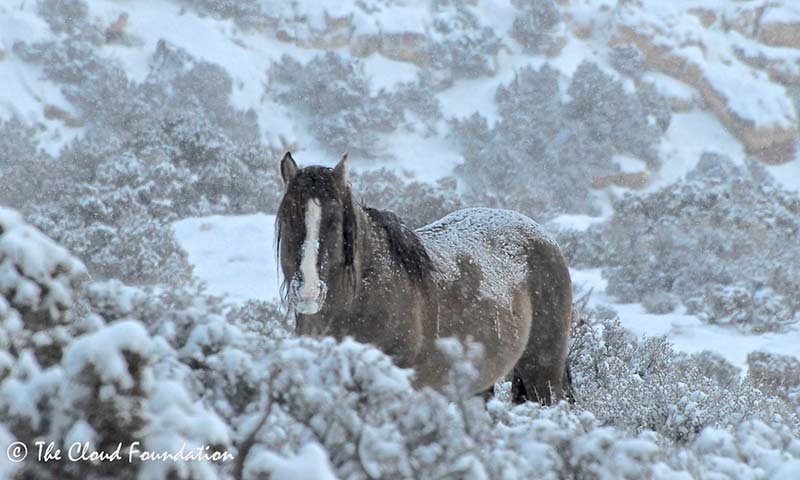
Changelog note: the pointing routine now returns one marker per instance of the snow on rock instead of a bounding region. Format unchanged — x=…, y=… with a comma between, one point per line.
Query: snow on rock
x=680, y=96
x=780, y=24
x=706, y=57
x=233, y=255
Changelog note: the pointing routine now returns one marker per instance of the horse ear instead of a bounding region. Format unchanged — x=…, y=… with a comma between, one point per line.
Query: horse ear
x=340, y=171
x=288, y=169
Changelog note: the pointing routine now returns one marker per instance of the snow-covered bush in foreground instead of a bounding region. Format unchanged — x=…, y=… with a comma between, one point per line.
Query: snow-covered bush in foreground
x=70, y=375
x=644, y=385
x=723, y=243
x=777, y=375
x=175, y=369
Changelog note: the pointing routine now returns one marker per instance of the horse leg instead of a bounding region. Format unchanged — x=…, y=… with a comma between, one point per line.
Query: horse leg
x=518, y=392
x=569, y=392
x=541, y=369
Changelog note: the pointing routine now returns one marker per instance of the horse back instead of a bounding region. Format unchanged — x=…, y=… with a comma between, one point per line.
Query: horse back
x=494, y=245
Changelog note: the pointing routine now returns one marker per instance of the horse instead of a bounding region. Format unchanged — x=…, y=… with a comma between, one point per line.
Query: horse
x=490, y=276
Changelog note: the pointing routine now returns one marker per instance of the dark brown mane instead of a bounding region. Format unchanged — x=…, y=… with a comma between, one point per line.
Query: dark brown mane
x=404, y=245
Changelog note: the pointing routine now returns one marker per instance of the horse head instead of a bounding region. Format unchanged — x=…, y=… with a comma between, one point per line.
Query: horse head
x=316, y=235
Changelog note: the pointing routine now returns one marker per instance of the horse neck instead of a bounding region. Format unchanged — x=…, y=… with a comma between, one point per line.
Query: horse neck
x=372, y=249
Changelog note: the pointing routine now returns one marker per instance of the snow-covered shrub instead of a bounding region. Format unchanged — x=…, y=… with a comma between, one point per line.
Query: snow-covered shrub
x=26, y=172
x=108, y=390
x=534, y=23
x=600, y=104
x=660, y=302
x=38, y=281
x=543, y=154
x=64, y=16
x=216, y=345
x=335, y=95
x=777, y=375
x=628, y=59
x=751, y=450
x=132, y=246
x=66, y=376
x=351, y=400
x=246, y=13
x=169, y=147
x=422, y=109
x=461, y=47
x=714, y=366
x=173, y=367
x=723, y=242
x=644, y=385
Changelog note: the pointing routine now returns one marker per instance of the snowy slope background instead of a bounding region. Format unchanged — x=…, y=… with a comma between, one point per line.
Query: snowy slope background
x=138, y=284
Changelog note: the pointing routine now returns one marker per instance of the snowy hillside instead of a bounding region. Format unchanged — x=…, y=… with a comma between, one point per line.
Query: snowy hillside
x=139, y=144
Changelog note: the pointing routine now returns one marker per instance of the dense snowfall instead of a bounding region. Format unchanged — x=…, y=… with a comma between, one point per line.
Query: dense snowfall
x=139, y=141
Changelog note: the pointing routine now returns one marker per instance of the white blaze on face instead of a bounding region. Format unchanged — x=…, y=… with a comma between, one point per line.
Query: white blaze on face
x=310, y=293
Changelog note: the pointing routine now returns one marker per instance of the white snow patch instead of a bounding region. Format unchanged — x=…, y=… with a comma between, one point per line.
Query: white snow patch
x=429, y=158
x=787, y=174
x=577, y=222
x=466, y=97
x=629, y=164
x=385, y=74
x=233, y=255
x=102, y=351
x=737, y=83
x=686, y=332
x=690, y=135
x=670, y=87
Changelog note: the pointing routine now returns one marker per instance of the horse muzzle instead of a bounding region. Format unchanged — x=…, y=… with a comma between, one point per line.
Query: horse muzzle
x=308, y=299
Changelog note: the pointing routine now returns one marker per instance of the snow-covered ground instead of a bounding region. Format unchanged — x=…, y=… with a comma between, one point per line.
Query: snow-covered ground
x=233, y=255
x=686, y=332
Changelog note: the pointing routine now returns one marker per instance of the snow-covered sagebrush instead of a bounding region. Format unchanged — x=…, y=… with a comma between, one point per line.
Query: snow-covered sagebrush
x=722, y=243
x=118, y=119
x=543, y=154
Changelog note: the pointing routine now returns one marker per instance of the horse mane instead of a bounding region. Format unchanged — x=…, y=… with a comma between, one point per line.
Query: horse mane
x=404, y=245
